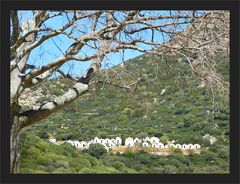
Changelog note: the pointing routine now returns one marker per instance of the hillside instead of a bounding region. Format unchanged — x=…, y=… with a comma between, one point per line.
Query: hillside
x=183, y=113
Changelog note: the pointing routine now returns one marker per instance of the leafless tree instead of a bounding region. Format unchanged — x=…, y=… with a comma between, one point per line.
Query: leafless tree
x=106, y=32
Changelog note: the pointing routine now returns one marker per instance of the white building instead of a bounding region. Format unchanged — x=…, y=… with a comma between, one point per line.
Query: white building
x=101, y=141
x=137, y=141
x=82, y=145
x=179, y=146
x=161, y=145
x=112, y=145
x=155, y=145
x=105, y=146
x=185, y=146
x=154, y=140
x=113, y=141
x=76, y=143
x=107, y=140
x=96, y=140
x=145, y=145
x=70, y=142
x=129, y=142
x=147, y=139
x=89, y=143
x=197, y=146
x=172, y=146
x=190, y=146
x=118, y=141
x=166, y=146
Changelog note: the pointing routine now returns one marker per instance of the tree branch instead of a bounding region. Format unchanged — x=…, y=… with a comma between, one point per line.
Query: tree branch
x=31, y=116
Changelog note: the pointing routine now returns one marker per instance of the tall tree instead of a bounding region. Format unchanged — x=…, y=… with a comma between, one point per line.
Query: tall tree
x=105, y=32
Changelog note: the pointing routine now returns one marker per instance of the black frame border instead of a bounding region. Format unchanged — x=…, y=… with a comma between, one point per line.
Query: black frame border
x=231, y=5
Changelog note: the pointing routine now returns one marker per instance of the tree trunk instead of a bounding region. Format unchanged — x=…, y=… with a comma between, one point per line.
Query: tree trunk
x=14, y=140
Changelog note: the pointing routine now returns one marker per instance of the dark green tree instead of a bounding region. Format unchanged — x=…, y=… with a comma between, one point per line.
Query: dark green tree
x=96, y=150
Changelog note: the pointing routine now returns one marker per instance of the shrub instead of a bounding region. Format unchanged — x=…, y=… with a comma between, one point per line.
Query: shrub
x=43, y=99
x=174, y=162
x=129, y=154
x=187, y=123
x=80, y=163
x=62, y=163
x=164, y=139
x=181, y=158
x=93, y=161
x=187, y=169
x=87, y=170
x=34, y=152
x=168, y=169
x=64, y=170
x=143, y=158
x=57, y=91
x=223, y=153
x=101, y=169
x=209, y=156
x=141, y=135
x=44, y=160
x=179, y=111
x=118, y=165
x=96, y=150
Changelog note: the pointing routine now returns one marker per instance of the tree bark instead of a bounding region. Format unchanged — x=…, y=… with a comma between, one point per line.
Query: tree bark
x=14, y=150
x=14, y=139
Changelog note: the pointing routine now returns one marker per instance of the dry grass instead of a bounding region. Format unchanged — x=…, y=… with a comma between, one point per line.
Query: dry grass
x=123, y=149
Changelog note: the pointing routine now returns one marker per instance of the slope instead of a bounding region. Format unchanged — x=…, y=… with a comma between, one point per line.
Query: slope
x=183, y=113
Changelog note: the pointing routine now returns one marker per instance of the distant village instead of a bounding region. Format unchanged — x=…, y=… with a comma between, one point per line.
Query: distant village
x=151, y=144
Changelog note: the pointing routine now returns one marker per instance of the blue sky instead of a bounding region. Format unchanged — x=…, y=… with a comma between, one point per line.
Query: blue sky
x=55, y=47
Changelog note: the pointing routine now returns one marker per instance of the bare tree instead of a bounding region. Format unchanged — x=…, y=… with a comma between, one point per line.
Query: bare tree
x=107, y=32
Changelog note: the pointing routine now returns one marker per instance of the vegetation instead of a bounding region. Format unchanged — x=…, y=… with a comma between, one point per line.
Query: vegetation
x=184, y=113
x=163, y=98
x=44, y=157
x=96, y=150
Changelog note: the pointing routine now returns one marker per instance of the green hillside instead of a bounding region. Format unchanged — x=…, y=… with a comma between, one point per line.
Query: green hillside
x=183, y=113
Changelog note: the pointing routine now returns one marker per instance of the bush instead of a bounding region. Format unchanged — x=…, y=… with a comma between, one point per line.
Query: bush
x=87, y=170
x=96, y=150
x=209, y=156
x=164, y=139
x=187, y=123
x=57, y=91
x=222, y=153
x=80, y=163
x=186, y=169
x=118, y=165
x=174, y=162
x=129, y=154
x=168, y=169
x=43, y=99
x=44, y=160
x=62, y=163
x=34, y=152
x=64, y=170
x=179, y=111
x=143, y=159
x=142, y=135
